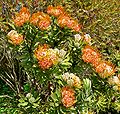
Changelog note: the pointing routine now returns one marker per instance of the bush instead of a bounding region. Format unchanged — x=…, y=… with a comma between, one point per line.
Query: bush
x=51, y=62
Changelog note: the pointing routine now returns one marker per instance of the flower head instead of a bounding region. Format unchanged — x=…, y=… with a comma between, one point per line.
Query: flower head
x=14, y=37
x=43, y=24
x=68, y=96
x=55, y=11
x=63, y=20
x=35, y=18
x=46, y=56
x=90, y=55
x=105, y=69
x=41, y=20
x=72, y=79
x=22, y=17
x=74, y=25
x=45, y=63
x=41, y=51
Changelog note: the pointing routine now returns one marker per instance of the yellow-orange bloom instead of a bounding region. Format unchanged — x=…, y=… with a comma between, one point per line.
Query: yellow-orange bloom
x=35, y=18
x=45, y=63
x=68, y=96
x=41, y=51
x=46, y=56
x=14, y=37
x=40, y=20
x=22, y=17
x=72, y=79
x=90, y=55
x=74, y=25
x=105, y=69
x=43, y=24
x=55, y=11
x=63, y=20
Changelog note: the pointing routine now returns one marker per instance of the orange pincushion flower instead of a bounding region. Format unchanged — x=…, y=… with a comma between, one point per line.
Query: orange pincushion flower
x=41, y=51
x=90, y=55
x=46, y=56
x=73, y=24
x=45, y=63
x=43, y=24
x=68, y=98
x=55, y=11
x=41, y=20
x=63, y=20
x=59, y=10
x=50, y=10
x=35, y=18
x=77, y=27
x=22, y=17
x=105, y=69
x=15, y=38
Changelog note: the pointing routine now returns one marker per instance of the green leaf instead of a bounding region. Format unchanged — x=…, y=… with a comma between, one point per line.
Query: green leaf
x=26, y=87
x=23, y=104
x=54, y=97
x=27, y=107
x=35, y=105
x=32, y=100
x=58, y=93
x=66, y=63
x=9, y=24
x=21, y=100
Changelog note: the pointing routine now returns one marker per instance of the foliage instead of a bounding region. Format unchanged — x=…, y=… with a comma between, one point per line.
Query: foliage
x=7, y=100
x=39, y=90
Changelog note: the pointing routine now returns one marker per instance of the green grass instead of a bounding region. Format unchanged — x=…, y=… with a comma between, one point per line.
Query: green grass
x=8, y=103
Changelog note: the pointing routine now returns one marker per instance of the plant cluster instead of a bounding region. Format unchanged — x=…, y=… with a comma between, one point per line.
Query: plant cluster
x=60, y=70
